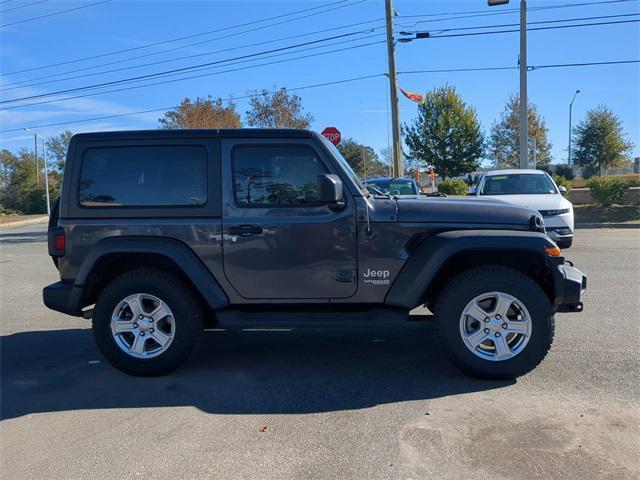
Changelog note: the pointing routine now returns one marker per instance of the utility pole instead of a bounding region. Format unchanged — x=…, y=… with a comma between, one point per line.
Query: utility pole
x=524, y=104
x=46, y=176
x=570, y=112
x=393, y=90
x=524, y=127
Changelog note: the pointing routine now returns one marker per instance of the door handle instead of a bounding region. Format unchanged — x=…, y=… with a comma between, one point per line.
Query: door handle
x=245, y=230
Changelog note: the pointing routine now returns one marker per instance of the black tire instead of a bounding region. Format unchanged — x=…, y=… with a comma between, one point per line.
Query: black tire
x=564, y=244
x=467, y=286
x=187, y=313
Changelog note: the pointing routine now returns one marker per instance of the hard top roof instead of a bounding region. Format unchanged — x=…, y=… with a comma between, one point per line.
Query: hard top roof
x=198, y=133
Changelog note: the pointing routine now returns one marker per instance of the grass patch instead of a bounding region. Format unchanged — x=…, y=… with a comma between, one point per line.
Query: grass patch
x=612, y=214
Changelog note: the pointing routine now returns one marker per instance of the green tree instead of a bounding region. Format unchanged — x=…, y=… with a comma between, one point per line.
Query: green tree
x=600, y=142
x=504, y=142
x=363, y=159
x=202, y=113
x=57, y=150
x=446, y=133
x=277, y=109
x=18, y=188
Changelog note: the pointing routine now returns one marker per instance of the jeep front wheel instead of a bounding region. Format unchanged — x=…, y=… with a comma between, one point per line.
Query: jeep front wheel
x=494, y=322
x=146, y=322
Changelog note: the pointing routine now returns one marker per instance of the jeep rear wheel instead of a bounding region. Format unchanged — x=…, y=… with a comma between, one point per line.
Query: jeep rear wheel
x=146, y=322
x=494, y=322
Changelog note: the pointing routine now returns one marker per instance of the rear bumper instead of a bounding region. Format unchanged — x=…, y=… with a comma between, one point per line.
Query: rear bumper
x=570, y=285
x=63, y=297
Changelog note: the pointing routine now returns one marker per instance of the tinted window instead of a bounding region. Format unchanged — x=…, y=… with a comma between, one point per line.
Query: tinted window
x=518, y=183
x=276, y=176
x=144, y=176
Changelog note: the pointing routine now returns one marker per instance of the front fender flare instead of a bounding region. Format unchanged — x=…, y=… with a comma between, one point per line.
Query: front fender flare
x=422, y=267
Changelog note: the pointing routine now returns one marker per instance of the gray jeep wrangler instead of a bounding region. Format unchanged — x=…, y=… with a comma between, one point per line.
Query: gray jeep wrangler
x=156, y=231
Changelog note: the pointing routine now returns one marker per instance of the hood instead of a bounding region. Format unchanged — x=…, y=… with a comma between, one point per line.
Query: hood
x=535, y=202
x=464, y=210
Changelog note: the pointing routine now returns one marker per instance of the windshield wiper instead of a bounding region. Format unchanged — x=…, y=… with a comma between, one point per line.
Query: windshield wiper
x=375, y=190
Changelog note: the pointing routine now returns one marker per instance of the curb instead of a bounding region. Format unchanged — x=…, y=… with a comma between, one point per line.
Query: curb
x=21, y=223
x=607, y=225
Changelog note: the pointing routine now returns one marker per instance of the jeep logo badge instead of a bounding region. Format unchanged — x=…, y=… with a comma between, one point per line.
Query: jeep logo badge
x=376, y=277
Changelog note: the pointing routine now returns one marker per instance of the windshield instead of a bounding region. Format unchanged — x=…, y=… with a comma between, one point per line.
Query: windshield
x=336, y=153
x=518, y=184
x=397, y=186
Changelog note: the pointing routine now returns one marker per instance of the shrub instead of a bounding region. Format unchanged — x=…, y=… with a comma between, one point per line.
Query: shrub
x=608, y=190
x=453, y=187
x=565, y=171
x=561, y=181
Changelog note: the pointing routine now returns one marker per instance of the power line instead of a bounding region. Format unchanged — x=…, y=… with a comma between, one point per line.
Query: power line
x=20, y=84
x=11, y=107
x=106, y=117
x=195, y=67
x=177, y=39
x=556, y=27
x=578, y=19
x=514, y=10
x=531, y=67
x=336, y=82
x=586, y=64
x=60, y=12
x=22, y=6
x=183, y=69
x=502, y=11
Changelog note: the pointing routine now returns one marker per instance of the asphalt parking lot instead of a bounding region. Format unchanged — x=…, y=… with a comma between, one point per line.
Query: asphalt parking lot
x=362, y=396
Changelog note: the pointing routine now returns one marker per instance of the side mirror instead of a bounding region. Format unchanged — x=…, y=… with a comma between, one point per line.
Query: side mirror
x=562, y=189
x=330, y=189
x=473, y=191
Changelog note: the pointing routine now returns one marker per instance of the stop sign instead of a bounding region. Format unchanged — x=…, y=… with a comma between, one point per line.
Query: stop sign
x=333, y=134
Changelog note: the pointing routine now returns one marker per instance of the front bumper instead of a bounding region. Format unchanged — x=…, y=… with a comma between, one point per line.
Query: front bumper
x=570, y=285
x=559, y=234
x=63, y=297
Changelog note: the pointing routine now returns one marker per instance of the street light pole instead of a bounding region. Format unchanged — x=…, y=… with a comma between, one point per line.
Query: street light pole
x=393, y=90
x=570, y=112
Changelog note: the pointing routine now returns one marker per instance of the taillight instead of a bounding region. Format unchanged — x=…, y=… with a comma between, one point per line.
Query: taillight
x=59, y=242
x=56, y=241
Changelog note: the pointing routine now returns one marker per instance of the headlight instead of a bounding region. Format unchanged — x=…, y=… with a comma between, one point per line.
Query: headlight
x=549, y=213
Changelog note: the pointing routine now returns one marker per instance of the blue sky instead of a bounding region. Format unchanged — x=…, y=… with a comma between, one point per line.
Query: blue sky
x=359, y=109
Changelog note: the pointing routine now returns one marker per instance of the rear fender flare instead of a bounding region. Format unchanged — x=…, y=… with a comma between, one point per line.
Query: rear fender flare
x=179, y=253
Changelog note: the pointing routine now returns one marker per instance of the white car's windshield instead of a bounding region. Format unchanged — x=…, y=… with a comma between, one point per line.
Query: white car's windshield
x=395, y=186
x=518, y=184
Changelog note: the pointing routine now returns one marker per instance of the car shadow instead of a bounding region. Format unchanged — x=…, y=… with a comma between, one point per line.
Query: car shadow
x=280, y=369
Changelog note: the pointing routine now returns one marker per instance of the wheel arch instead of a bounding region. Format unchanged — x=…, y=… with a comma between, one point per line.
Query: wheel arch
x=111, y=257
x=440, y=257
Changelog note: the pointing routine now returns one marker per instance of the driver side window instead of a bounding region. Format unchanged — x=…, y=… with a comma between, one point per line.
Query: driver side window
x=276, y=176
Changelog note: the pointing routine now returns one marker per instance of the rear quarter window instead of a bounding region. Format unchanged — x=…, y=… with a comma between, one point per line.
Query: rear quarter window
x=143, y=176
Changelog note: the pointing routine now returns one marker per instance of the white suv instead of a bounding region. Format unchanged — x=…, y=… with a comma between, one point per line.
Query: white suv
x=534, y=189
